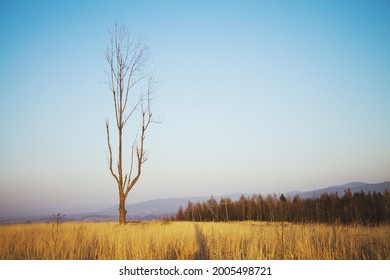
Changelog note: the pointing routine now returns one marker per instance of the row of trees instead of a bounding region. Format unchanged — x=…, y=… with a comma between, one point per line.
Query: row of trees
x=359, y=207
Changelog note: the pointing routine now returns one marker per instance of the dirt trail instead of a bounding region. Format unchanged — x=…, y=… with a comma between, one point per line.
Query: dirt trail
x=202, y=253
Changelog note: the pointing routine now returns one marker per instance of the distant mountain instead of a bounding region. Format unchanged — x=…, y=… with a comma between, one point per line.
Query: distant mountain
x=354, y=187
x=151, y=209
x=158, y=208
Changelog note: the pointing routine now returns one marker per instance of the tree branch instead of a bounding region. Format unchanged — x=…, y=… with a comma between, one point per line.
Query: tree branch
x=140, y=151
x=110, y=151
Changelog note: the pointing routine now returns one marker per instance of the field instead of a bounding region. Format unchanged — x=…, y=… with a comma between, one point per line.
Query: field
x=191, y=240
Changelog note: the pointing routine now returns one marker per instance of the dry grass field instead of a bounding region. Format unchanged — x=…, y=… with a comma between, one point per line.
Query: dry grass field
x=190, y=240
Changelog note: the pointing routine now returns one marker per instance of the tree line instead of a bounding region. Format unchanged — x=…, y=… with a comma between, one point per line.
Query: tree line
x=358, y=207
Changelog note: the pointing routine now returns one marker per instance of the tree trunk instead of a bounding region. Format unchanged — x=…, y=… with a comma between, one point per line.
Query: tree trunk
x=122, y=210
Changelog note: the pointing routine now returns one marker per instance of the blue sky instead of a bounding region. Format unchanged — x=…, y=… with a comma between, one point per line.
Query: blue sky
x=255, y=97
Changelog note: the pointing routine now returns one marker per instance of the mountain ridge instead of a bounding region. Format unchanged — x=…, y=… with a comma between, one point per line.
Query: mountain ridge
x=353, y=186
x=158, y=208
x=162, y=207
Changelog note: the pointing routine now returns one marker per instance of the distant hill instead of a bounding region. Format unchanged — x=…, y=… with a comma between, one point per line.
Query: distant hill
x=158, y=208
x=354, y=187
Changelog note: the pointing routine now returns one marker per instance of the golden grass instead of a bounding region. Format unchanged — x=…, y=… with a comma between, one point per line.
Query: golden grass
x=187, y=240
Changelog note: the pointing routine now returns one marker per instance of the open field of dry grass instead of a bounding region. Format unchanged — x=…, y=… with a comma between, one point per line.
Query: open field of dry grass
x=190, y=240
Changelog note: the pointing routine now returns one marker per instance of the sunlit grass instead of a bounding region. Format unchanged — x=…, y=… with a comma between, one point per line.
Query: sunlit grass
x=187, y=240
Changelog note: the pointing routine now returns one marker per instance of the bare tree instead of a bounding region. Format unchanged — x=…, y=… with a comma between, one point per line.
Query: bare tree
x=127, y=58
